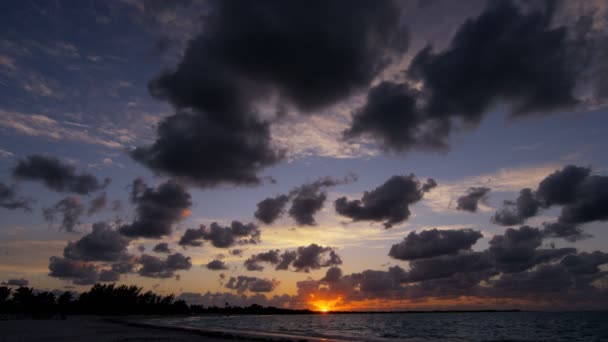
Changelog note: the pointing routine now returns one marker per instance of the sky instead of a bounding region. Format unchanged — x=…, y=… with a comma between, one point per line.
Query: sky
x=337, y=155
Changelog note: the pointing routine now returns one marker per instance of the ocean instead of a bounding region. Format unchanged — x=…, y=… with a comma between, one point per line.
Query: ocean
x=468, y=326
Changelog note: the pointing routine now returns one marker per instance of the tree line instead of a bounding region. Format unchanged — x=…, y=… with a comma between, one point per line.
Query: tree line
x=109, y=299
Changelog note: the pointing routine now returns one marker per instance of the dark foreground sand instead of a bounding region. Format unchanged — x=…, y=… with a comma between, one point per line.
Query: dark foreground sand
x=92, y=329
x=98, y=329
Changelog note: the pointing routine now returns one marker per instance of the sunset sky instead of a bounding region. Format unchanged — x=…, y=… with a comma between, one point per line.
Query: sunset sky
x=346, y=155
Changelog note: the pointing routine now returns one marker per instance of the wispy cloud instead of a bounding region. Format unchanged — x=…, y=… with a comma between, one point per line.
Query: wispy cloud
x=443, y=197
x=319, y=135
x=43, y=126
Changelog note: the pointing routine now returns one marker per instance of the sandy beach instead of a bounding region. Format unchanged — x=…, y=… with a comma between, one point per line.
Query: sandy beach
x=97, y=329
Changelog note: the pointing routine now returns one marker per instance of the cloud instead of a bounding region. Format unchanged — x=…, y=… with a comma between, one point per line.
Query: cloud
x=516, y=250
x=529, y=67
x=431, y=243
x=513, y=267
x=534, y=68
x=303, y=259
x=306, y=201
x=56, y=175
x=101, y=244
x=162, y=247
x=271, y=208
x=332, y=275
x=252, y=284
x=389, y=202
x=474, y=195
x=10, y=200
x=391, y=118
x=222, y=237
x=16, y=282
x=272, y=257
x=224, y=70
x=154, y=267
x=70, y=209
x=517, y=212
x=157, y=209
x=194, y=148
x=97, y=204
x=560, y=187
x=216, y=265
x=477, y=265
x=38, y=125
x=109, y=276
x=312, y=53
x=579, y=193
x=79, y=272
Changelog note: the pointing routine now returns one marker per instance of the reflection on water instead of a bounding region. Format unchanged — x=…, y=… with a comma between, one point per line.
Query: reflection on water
x=493, y=326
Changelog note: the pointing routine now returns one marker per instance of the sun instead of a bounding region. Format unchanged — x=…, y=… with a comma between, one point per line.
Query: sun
x=324, y=310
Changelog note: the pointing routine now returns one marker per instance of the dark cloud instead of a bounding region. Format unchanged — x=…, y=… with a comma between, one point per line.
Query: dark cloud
x=470, y=201
x=565, y=230
x=272, y=257
x=216, y=265
x=529, y=67
x=585, y=263
x=303, y=259
x=271, y=208
x=70, y=209
x=532, y=68
x=193, y=237
x=389, y=202
x=314, y=257
x=162, y=247
x=109, y=276
x=15, y=282
x=79, y=272
x=312, y=53
x=125, y=266
x=10, y=200
x=580, y=195
x=97, y=204
x=222, y=237
x=560, y=187
x=251, y=284
x=306, y=201
x=157, y=210
x=392, y=118
x=154, y=267
x=312, y=56
x=472, y=263
x=431, y=243
x=102, y=244
x=517, y=212
x=517, y=250
x=56, y=175
x=332, y=275
x=195, y=148
x=590, y=202
x=514, y=267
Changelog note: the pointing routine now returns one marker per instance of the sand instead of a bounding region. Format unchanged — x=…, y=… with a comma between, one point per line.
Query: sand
x=98, y=329
x=94, y=329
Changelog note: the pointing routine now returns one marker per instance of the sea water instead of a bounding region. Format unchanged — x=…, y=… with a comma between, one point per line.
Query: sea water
x=470, y=326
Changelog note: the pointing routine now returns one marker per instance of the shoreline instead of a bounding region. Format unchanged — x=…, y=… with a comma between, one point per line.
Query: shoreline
x=229, y=334
x=130, y=329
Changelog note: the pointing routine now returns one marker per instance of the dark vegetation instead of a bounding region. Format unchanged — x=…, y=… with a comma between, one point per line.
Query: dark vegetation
x=113, y=300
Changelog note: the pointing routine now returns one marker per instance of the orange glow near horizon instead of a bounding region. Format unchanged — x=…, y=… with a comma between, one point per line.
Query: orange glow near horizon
x=186, y=213
x=323, y=305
